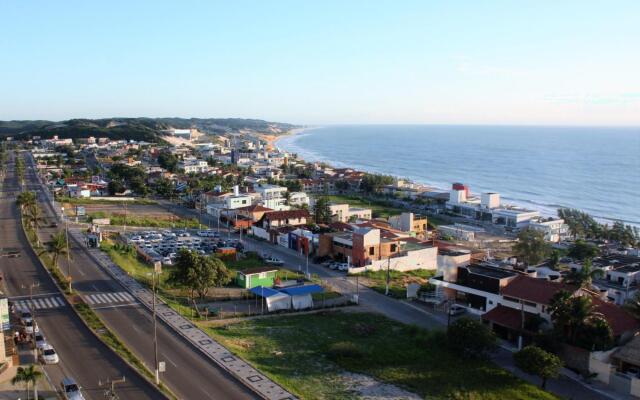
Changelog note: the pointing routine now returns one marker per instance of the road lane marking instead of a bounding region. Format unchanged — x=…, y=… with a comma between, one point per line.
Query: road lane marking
x=117, y=306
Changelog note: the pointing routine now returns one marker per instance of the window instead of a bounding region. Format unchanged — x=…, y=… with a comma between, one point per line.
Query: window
x=393, y=248
x=513, y=299
x=372, y=251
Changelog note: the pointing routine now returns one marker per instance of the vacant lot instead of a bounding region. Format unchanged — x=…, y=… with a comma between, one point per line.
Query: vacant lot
x=378, y=208
x=398, y=281
x=329, y=356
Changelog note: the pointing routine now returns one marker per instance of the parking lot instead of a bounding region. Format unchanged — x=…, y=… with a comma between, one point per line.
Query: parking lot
x=164, y=245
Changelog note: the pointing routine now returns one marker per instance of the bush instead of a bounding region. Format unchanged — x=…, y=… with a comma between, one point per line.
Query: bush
x=344, y=350
x=470, y=338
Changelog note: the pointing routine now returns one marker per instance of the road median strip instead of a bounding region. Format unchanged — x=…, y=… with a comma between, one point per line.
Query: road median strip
x=88, y=316
x=228, y=361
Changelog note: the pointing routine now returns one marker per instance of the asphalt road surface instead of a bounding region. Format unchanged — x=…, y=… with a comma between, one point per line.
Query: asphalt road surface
x=82, y=355
x=189, y=373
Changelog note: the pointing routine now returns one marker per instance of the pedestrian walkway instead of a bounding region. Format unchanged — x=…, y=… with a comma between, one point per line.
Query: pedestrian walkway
x=108, y=298
x=41, y=303
x=228, y=361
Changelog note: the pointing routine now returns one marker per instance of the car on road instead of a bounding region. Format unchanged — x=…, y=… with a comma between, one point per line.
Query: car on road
x=457, y=310
x=26, y=316
x=343, y=267
x=48, y=355
x=31, y=327
x=71, y=390
x=274, y=261
x=334, y=265
x=40, y=340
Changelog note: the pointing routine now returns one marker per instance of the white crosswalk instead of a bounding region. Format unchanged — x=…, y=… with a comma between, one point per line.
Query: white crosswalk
x=40, y=303
x=108, y=298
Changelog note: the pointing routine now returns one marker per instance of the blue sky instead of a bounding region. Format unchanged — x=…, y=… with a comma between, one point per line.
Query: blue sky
x=487, y=62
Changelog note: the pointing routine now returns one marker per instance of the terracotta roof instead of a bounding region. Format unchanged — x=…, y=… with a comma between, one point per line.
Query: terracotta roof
x=535, y=290
x=505, y=316
x=254, y=208
x=341, y=226
x=619, y=320
x=280, y=215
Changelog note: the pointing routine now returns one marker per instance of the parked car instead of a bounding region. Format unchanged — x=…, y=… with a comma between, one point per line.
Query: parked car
x=31, y=327
x=343, y=267
x=71, y=390
x=457, y=310
x=334, y=265
x=26, y=316
x=167, y=261
x=48, y=355
x=40, y=340
x=273, y=261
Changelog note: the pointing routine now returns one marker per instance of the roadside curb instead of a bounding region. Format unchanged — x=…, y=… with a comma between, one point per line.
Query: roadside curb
x=225, y=359
x=71, y=306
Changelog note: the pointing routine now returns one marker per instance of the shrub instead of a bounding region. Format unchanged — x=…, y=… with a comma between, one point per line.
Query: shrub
x=470, y=338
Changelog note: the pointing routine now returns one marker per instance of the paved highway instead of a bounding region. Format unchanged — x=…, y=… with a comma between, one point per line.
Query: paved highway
x=82, y=355
x=190, y=374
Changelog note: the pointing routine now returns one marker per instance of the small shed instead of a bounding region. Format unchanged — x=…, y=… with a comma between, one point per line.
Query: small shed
x=301, y=295
x=252, y=277
x=275, y=300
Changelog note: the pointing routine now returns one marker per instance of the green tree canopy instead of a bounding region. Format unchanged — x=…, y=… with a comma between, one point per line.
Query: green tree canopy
x=199, y=273
x=535, y=361
x=582, y=250
x=470, y=338
x=531, y=247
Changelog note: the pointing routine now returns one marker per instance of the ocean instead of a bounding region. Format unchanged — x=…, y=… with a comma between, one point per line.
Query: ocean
x=596, y=170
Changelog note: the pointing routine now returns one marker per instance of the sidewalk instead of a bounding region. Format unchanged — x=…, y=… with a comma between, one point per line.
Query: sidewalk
x=237, y=367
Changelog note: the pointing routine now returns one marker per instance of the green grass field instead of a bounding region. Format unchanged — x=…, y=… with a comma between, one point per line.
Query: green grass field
x=308, y=355
x=133, y=220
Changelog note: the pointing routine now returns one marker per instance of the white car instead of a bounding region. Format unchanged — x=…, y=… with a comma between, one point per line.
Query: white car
x=31, y=327
x=273, y=261
x=40, y=340
x=343, y=267
x=457, y=310
x=48, y=355
x=167, y=261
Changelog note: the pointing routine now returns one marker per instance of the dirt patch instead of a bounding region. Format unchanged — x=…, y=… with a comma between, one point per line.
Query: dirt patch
x=368, y=388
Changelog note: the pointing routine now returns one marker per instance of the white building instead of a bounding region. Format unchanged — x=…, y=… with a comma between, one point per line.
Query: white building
x=193, y=166
x=298, y=198
x=555, y=230
x=272, y=196
x=488, y=208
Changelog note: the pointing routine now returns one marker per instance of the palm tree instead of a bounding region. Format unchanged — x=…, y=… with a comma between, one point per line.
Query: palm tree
x=26, y=199
x=570, y=314
x=27, y=375
x=57, y=246
x=34, y=218
x=584, y=276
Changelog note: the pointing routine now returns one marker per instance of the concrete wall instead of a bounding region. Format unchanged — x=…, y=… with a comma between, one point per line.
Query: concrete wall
x=417, y=259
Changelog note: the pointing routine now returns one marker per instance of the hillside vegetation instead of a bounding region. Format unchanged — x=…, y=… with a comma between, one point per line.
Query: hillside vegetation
x=141, y=129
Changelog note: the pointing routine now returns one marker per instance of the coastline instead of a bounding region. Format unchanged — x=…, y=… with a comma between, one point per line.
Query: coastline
x=546, y=209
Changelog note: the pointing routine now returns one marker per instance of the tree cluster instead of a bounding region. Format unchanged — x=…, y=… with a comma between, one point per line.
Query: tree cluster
x=583, y=225
x=199, y=273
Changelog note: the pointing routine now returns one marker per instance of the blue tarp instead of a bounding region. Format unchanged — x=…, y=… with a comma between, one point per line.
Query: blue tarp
x=302, y=290
x=263, y=291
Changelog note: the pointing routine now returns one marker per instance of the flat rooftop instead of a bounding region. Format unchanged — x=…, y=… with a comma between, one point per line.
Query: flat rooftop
x=493, y=272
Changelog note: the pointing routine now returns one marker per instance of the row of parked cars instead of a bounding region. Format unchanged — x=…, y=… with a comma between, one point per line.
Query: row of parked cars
x=46, y=353
x=164, y=245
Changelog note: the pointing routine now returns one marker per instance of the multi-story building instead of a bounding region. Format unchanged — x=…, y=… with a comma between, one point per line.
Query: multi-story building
x=410, y=222
x=272, y=196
